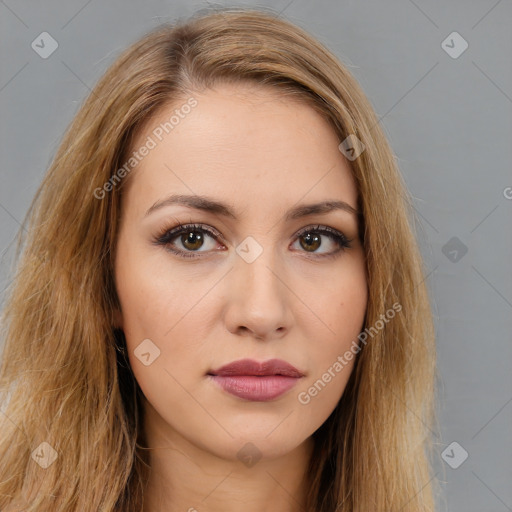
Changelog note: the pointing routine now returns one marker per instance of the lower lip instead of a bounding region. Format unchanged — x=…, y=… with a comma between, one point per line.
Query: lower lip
x=257, y=389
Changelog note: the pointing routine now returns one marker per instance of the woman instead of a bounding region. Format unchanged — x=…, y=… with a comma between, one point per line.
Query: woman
x=220, y=302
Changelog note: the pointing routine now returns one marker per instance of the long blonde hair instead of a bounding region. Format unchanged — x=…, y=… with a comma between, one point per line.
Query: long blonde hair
x=64, y=375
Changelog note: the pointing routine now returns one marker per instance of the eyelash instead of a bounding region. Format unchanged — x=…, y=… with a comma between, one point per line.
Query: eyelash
x=165, y=237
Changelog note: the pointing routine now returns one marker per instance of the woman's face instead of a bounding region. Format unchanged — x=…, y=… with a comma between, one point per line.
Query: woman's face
x=264, y=276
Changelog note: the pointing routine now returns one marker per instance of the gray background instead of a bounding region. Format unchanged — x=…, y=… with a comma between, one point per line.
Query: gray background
x=448, y=120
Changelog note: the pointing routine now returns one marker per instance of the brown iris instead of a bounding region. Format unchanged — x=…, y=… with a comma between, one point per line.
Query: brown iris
x=192, y=240
x=312, y=241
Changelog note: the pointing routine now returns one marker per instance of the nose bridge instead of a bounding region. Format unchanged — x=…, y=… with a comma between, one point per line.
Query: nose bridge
x=258, y=267
x=259, y=298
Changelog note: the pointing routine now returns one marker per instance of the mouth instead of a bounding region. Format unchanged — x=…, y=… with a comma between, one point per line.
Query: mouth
x=258, y=382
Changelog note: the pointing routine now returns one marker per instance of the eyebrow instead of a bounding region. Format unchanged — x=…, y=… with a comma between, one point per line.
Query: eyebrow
x=208, y=204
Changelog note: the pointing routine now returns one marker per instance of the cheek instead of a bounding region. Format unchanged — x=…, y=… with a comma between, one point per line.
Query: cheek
x=153, y=295
x=342, y=308
x=340, y=302
x=333, y=357
x=166, y=315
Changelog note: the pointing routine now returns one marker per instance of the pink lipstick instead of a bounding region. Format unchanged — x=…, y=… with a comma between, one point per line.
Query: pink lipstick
x=258, y=382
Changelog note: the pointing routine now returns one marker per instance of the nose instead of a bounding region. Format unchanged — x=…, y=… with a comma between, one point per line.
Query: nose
x=258, y=304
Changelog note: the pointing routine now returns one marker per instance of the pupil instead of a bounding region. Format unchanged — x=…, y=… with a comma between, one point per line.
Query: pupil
x=311, y=240
x=193, y=238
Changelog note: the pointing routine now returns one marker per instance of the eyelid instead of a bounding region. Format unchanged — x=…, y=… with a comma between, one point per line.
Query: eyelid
x=321, y=228
x=168, y=231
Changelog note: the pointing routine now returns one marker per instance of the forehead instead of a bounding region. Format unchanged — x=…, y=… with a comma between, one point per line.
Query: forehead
x=242, y=141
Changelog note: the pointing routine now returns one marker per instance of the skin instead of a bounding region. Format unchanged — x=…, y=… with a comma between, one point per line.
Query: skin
x=248, y=146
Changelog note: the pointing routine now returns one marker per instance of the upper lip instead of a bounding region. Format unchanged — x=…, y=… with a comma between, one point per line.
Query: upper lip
x=251, y=367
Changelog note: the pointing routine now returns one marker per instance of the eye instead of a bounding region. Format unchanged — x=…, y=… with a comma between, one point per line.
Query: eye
x=310, y=239
x=193, y=237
